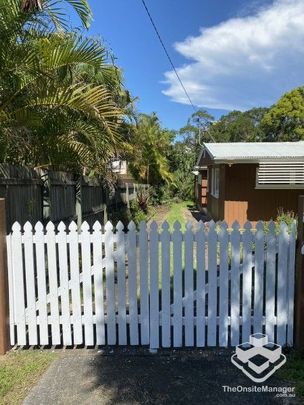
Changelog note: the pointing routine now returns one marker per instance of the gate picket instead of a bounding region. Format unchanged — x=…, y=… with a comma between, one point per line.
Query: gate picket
x=258, y=278
x=110, y=287
x=18, y=282
x=223, y=327
x=235, y=284
x=247, y=282
x=98, y=283
x=75, y=283
x=30, y=284
x=189, y=321
x=12, y=320
x=132, y=274
x=177, y=238
x=290, y=282
x=121, y=284
x=212, y=284
x=270, y=281
x=87, y=284
x=144, y=286
x=41, y=284
x=154, y=293
x=64, y=284
x=282, y=284
x=165, y=291
x=53, y=284
x=200, y=285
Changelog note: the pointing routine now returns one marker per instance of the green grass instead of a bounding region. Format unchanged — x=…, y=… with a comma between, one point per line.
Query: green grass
x=176, y=213
x=293, y=371
x=19, y=371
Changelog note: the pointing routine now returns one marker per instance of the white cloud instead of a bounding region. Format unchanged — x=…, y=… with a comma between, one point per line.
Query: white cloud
x=243, y=62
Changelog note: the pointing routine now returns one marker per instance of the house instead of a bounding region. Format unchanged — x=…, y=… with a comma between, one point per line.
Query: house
x=249, y=181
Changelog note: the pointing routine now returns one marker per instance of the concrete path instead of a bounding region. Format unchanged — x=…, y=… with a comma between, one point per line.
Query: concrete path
x=129, y=376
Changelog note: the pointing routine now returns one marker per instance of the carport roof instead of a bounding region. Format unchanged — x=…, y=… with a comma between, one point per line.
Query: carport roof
x=254, y=152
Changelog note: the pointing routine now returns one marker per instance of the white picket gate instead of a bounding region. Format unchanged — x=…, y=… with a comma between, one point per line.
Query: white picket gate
x=208, y=286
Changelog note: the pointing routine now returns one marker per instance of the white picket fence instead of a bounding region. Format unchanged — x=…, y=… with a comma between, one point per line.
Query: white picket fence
x=208, y=286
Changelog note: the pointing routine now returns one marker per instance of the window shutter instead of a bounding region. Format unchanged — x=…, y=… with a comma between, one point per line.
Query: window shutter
x=280, y=175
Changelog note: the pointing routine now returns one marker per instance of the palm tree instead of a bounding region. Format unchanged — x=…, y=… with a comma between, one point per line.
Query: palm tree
x=149, y=145
x=50, y=113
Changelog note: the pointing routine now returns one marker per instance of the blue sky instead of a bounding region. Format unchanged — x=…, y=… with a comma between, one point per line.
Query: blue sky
x=229, y=53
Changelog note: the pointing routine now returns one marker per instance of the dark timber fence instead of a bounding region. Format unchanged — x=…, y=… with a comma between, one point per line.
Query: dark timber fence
x=45, y=195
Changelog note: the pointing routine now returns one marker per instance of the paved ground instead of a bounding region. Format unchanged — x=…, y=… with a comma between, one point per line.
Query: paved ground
x=129, y=376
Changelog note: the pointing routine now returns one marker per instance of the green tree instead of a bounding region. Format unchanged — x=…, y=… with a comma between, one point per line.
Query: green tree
x=285, y=120
x=195, y=132
x=148, y=150
x=239, y=126
x=61, y=98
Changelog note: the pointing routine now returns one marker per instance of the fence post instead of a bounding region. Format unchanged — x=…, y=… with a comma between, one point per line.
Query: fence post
x=4, y=317
x=299, y=282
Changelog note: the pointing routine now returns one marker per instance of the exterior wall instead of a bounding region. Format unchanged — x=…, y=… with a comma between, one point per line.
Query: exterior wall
x=215, y=206
x=242, y=201
x=201, y=186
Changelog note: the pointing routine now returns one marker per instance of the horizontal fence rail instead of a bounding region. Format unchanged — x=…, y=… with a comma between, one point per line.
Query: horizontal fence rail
x=200, y=286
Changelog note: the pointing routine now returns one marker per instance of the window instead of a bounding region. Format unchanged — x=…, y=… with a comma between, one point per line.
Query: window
x=215, y=182
x=280, y=175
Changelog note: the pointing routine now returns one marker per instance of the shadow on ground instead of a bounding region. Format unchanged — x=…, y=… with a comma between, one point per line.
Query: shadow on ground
x=198, y=215
x=127, y=376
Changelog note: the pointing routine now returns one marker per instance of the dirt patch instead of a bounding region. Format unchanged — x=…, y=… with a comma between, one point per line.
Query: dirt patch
x=160, y=214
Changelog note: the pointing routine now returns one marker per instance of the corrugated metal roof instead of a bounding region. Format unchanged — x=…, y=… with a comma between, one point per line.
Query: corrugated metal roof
x=255, y=151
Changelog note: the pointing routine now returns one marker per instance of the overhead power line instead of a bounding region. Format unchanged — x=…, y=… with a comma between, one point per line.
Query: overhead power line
x=167, y=54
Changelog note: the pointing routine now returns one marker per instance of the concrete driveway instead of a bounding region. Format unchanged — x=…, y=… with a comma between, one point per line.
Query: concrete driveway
x=129, y=376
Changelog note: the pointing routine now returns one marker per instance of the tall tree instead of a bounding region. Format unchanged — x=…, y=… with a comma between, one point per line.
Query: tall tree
x=285, y=120
x=52, y=113
x=238, y=126
x=196, y=129
x=148, y=150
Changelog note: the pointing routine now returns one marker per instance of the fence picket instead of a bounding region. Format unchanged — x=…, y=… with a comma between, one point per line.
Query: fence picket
x=247, y=282
x=64, y=284
x=18, y=282
x=41, y=284
x=165, y=290
x=30, y=284
x=270, y=281
x=110, y=287
x=177, y=238
x=87, y=284
x=223, y=326
x=258, y=278
x=53, y=284
x=132, y=275
x=282, y=284
x=98, y=283
x=200, y=285
x=12, y=320
x=189, y=319
x=144, y=291
x=154, y=294
x=121, y=284
x=75, y=284
x=212, y=284
x=291, y=282
x=235, y=284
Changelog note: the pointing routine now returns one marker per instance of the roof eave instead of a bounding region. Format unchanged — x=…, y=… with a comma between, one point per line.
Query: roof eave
x=257, y=160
